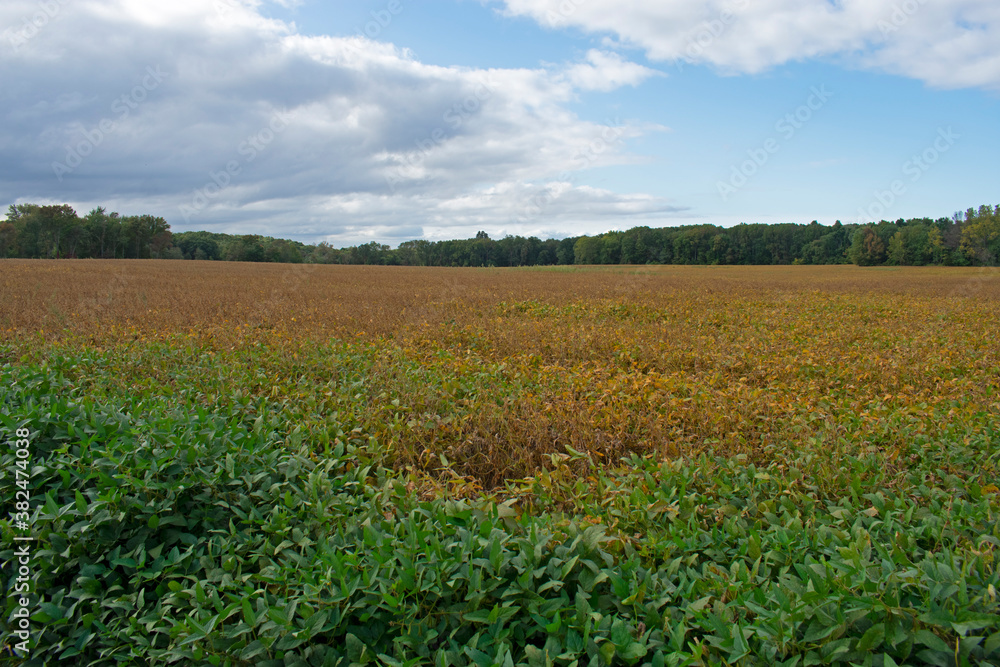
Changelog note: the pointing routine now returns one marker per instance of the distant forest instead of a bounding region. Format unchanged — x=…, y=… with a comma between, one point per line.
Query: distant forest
x=973, y=238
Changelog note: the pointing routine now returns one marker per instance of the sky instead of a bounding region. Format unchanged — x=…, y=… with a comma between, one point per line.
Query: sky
x=392, y=120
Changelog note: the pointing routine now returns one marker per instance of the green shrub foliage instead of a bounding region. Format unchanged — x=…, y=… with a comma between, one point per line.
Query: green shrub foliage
x=173, y=532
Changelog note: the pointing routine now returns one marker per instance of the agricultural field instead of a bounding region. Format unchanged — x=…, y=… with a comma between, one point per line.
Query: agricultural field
x=238, y=464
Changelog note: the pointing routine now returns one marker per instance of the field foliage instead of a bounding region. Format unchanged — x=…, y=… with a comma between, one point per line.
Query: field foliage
x=307, y=465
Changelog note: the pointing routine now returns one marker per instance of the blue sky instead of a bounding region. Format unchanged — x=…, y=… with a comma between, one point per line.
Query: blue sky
x=391, y=120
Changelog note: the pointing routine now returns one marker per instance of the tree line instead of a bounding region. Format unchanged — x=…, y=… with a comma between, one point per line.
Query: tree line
x=34, y=231
x=972, y=238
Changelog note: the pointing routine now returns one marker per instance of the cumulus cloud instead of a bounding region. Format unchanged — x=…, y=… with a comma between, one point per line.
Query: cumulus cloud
x=606, y=71
x=549, y=209
x=217, y=117
x=946, y=43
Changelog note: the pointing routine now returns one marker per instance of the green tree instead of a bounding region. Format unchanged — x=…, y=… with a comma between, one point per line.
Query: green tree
x=8, y=239
x=283, y=252
x=587, y=250
x=867, y=248
x=56, y=222
x=896, y=254
x=198, y=245
x=935, y=245
x=566, y=252
x=981, y=235
x=610, y=248
x=97, y=223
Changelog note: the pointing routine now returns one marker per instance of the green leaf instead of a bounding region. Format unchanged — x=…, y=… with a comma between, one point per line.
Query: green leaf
x=277, y=615
x=81, y=503
x=608, y=651
x=938, y=658
x=289, y=641
x=700, y=603
x=478, y=616
x=872, y=638
x=593, y=536
x=54, y=612
x=992, y=644
x=478, y=657
x=252, y=650
x=637, y=597
x=316, y=622
x=553, y=627
x=249, y=617
x=740, y=647
x=633, y=651
x=620, y=635
x=568, y=567
x=355, y=648
x=931, y=640
x=495, y=555
x=536, y=656
x=391, y=599
x=965, y=627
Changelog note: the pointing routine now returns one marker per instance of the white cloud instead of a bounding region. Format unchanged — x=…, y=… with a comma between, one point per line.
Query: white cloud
x=216, y=117
x=946, y=43
x=606, y=71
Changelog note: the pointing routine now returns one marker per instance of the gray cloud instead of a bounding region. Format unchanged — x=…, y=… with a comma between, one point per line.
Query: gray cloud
x=216, y=117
